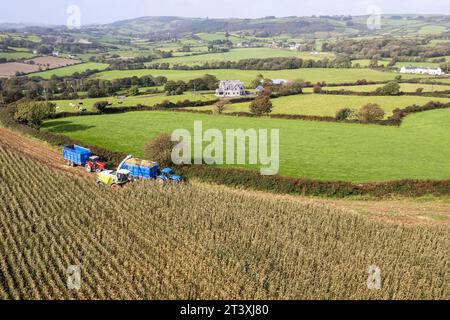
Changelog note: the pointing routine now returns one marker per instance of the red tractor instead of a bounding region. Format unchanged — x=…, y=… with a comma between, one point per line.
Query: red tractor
x=94, y=164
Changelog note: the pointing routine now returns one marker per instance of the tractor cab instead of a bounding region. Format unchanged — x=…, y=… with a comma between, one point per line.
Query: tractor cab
x=123, y=176
x=94, y=164
x=167, y=174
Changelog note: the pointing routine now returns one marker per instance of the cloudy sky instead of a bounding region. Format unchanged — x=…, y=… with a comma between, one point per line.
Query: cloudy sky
x=104, y=11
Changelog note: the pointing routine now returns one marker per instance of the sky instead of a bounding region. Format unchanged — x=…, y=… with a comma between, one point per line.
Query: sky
x=106, y=11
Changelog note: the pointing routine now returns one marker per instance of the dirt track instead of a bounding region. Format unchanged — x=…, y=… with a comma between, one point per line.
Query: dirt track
x=404, y=211
x=37, y=151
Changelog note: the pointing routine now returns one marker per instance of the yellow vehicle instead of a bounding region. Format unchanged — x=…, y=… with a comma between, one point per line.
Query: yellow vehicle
x=115, y=178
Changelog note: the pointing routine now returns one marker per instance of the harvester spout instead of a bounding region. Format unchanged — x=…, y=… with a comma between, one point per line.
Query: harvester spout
x=123, y=162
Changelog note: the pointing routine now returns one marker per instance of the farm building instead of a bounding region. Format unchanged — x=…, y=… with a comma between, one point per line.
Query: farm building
x=422, y=70
x=231, y=88
x=279, y=82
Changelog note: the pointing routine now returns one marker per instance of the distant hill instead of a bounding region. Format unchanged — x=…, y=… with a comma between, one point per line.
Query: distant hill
x=308, y=27
x=272, y=26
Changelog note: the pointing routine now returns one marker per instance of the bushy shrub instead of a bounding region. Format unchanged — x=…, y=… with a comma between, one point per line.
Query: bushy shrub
x=343, y=114
x=317, y=88
x=391, y=89
x=220, y=106
x=159, y=149
x=261, y=105
x=33, y=113
x=100, y=106
x=371, y=112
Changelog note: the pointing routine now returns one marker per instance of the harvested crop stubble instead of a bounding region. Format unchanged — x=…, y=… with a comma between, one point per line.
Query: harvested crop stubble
x=196, y=242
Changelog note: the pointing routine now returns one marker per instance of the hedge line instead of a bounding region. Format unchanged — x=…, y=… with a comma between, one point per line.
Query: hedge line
x=251, y=179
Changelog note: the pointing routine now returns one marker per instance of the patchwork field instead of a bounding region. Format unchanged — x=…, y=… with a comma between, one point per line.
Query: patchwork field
x=310, y=74
x=404, y=87
x=70, y=70
x=319, y=150
x=327, y=104
x=40, y=63
x=52, y=62
x=10, y=69
x=170, y=245
x=16, y=55
x=240, y=54
x=147, y=100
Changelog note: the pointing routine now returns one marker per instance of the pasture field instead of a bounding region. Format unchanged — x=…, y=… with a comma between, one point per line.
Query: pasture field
x=16, y=55
x=240, y=54
x=416, y=64
x=431, y=29
x=151, y=242
x=366, y=62
x=318, y=150
x=308, y=74
x=70, y=70
x=327, y=104
x=405, y=87
x=147, y=100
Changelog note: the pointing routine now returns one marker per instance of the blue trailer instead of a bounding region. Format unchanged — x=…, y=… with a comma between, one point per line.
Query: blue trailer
x=141, y=169
x=76, y=155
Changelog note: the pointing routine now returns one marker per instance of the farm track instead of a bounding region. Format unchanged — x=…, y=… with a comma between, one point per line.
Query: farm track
x=195, y=241
x=37, y=151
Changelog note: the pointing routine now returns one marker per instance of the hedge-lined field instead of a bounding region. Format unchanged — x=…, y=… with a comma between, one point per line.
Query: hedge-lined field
x=327, y=104
x=70, y=70
x=314, y=75
x=16, y=55
x=240, y=54
x=317, y=150
x=405, y=87
x=148, y=100
x=152, y=242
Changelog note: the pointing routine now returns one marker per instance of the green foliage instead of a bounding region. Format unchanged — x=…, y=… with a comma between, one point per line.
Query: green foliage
x=100, y=106
x=343, y=114
x=133, y=91
x=33, y=113
x=391, y=89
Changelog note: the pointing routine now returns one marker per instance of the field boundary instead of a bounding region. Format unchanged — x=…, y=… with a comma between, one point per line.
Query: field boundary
x=251, y=179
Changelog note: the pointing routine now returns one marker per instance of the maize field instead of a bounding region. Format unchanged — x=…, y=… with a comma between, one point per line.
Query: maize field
x=196, y=241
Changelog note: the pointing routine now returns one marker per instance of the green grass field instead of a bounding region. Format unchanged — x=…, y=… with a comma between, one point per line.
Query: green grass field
x=70, y=70
x=16, y=55
x=327, y=105
x=240, y=54
x=147, y=100
x=432, y=29
x=364, y=63
x=405, y=87
x=310, y=74
x=319, y=150
x=416, y=64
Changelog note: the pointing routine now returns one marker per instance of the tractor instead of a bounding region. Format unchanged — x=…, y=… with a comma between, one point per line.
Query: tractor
x=94, y=164
x=167, y=175
x=116, y=178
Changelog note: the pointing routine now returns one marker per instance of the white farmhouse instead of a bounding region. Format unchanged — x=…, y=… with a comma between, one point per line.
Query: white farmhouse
x=231, y=88
x=422, y=70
